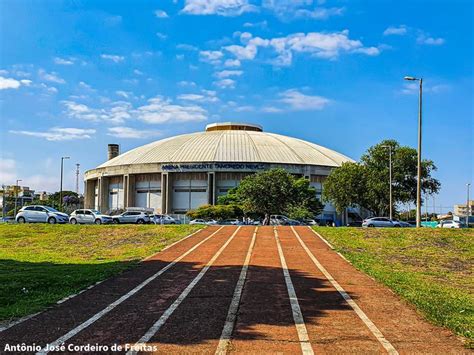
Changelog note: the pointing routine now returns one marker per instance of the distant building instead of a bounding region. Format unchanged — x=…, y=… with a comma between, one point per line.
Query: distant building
x=180, y=173
x=23, y=194
x=461, y=210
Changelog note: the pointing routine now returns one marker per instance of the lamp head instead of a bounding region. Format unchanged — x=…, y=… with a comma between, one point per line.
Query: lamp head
x=410, y=78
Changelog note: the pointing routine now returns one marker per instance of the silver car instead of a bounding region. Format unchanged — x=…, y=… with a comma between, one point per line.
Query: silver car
x=380, y=222
x=40, y=214
x=137, y=217
x=88, y=216
x=163, y=219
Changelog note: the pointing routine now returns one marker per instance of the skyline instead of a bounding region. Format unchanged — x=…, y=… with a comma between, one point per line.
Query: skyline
x=78, y=75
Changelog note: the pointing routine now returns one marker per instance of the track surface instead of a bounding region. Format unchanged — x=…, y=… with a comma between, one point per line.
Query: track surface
x=239, y=289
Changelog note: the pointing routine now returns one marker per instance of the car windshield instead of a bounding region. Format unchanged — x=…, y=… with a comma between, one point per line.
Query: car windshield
x=50, y=209
x=95, y=212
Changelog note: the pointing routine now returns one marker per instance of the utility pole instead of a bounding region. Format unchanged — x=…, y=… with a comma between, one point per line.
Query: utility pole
x=61, y=184
x=467, y=205
x=390, y=178
x=16, y=196
x=418, y=182
x=77, y=178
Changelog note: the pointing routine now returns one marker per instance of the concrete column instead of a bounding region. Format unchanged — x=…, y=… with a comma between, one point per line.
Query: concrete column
x=169, y=193
x=89, y=193
x=211, y=188
x=103, y=194
x=130, y=190
x=125, y=190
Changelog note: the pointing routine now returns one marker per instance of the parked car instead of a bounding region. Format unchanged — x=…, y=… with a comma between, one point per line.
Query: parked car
x=137, y=217
x=89, y=216
x=198, y=221
x=404, y=224
x=310, y=222
x=163, y=219
x=354, y=224
x=232, y=222
x=450, y=224
x=211, y=222
x=40, y=214
x=380, y=222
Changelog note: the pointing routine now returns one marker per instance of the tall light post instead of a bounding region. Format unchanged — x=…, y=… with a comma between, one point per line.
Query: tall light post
x=16, y=196
x=390, y=177
x=61, y=184
x=467, y=205
x=418, y=182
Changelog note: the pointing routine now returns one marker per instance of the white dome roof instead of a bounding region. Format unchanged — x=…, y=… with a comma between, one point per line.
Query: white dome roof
x=230, y=146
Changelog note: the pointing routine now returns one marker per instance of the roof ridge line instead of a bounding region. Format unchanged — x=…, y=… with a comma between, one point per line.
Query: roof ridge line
x=312, y=144
x=275, y=136
x=253, y=144
x=218, y=144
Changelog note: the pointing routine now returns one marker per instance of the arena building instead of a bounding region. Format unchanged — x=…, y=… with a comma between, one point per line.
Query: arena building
x=176, y=174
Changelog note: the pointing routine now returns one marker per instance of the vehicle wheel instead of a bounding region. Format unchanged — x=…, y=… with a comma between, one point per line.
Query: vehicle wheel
x=52, y=220
x=140, y=221
x=73, y=221
x=396, y=226
x=115, y=221
x=21, y=220
x=371, y=226
x=98, y=221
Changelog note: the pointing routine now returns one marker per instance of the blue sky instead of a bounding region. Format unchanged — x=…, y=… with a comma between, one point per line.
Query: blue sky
x=76, y=75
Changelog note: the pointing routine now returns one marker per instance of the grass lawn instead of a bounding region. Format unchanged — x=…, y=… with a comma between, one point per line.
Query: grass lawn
x=41, y=264
x=430, y=268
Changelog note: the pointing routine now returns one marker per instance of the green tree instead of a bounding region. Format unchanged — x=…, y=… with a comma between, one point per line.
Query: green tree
x=366, y=184
x=274, y=191
x=218, y=212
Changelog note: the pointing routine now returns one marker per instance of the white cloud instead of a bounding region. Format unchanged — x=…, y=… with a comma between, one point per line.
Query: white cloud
x=128, y=132
x=262, y=24
x=300, y=102
x=205, y=96
x=59, y=134
x=49, y=89
x=160, y=110
x=51, y=77
x=431, y=41
x=9, y=83
x=114, y=58
x=413, y=88
x=290, y=9
x=25, y=82
x=232, y=63
x=186, y=47
x=64, y=61
x=400, y=30
x=117, y=112
x=225, y=83
x=272, y=109
x=212, y=57
x=85, y=86
x=179, y=56
x=7, y=171
x=228, y=73
x=137, y=72
x=161, y=14
x=218, y=7
x=317, y=44
x=124, y=94
x=186, y=83
x=161, y=36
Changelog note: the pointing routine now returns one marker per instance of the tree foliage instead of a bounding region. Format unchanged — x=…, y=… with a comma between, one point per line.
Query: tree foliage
x=366, y=184
x=218, y=212
x=274, y=191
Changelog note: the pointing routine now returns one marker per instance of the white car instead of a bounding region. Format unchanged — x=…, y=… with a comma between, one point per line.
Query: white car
x=137, y=217
x=88, y=216
x=450, y=224
x=380, y=222
x=211, y=222
x=198, y=221
x=163, y=219
x=40, y=214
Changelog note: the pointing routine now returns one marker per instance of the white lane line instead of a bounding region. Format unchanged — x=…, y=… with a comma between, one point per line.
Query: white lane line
x=372, y=327
x=164, y=317
x=114, y=304
x=67, y=298
x=224, y=340
x=295, y=306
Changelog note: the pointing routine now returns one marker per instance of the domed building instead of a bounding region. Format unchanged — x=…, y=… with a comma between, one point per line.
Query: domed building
x=180, y=173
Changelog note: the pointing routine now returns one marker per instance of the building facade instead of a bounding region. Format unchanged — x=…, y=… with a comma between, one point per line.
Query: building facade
x=180, y=173
x=463, y=210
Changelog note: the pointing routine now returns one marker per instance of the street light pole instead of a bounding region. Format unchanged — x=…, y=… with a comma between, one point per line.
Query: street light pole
x=418, y=183
x=467, y=205
x=61, y=184
x=16, y=196
x=390, y=178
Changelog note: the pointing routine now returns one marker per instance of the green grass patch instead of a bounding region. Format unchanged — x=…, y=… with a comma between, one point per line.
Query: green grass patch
x=41, y=264
x=430, y=268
